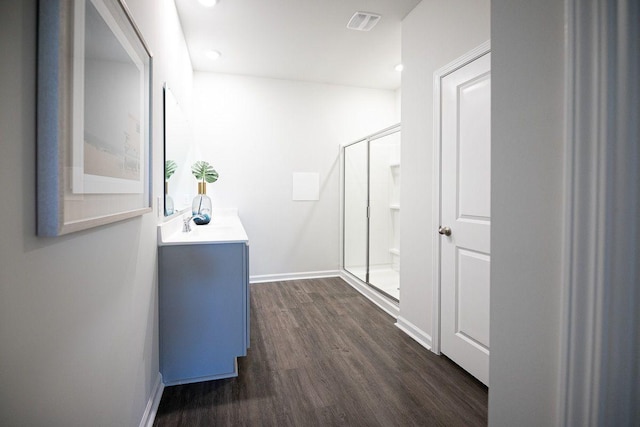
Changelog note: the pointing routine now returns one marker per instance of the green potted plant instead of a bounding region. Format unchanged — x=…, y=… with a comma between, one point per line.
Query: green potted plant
x=201, y=206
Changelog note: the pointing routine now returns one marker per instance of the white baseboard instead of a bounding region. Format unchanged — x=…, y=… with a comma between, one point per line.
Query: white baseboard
x=414, y=332
x=151, y=410
x=265, y=278
x=390, y=307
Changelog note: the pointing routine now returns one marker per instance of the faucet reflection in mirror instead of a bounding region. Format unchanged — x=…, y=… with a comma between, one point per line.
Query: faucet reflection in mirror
x=169, y=168
x=201, y=206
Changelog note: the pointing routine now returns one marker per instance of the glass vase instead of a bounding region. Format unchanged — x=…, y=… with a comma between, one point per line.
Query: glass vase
x=169, y=207
x=201, y=206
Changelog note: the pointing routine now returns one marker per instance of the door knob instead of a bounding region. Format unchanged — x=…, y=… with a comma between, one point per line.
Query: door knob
x=446, y=231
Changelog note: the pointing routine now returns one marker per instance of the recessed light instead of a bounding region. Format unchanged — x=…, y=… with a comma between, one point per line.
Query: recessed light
x=208, y=3
x=213, y=54
x=399, y=67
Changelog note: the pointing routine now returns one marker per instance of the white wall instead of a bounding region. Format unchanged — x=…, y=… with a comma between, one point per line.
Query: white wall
x=256, y=132
x=78, y=328
x=527, y=41
x=527, y=151
x=435, y=33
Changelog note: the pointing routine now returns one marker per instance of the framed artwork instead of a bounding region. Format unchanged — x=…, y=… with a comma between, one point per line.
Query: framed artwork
x=94, y=116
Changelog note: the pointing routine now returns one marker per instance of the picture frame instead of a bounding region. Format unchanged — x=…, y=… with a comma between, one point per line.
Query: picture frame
x=93, y=116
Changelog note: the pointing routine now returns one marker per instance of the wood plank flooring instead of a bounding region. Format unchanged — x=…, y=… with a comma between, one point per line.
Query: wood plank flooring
x=323, y=355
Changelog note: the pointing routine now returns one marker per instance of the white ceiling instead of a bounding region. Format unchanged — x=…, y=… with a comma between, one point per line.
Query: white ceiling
x=297, y=39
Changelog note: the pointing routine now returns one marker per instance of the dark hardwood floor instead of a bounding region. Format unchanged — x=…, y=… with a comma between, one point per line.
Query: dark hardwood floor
x=323, y=355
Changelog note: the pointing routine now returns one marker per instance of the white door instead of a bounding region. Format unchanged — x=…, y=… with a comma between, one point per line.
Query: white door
x=465, y=213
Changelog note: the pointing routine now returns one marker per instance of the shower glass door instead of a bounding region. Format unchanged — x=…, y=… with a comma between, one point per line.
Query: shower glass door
x=384, y=212
x=372, y=210
x=355, y=209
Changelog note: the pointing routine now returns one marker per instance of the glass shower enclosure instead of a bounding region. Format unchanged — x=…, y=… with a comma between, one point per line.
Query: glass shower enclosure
x=371, y=210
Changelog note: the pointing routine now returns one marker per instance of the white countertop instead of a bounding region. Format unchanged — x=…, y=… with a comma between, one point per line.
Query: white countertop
x=224, y=228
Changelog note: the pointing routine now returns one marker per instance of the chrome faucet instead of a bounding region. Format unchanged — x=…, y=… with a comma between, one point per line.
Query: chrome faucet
x=186, y=222
x=186, y=227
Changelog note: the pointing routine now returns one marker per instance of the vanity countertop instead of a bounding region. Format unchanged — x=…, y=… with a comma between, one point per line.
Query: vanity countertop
x=223, y=228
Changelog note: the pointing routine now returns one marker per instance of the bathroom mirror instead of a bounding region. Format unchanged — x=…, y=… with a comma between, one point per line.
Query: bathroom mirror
x=179, y=184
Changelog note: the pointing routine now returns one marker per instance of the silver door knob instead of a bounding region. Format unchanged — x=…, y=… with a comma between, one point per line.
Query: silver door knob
x=446, y=231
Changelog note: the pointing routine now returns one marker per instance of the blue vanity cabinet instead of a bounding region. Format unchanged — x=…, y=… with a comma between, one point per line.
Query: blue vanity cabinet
x=203, y=309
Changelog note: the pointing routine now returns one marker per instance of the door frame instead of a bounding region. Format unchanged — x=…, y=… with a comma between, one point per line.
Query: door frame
x=436, y=200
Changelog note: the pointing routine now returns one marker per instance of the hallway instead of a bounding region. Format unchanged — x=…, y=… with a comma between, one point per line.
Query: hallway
x=323, y=355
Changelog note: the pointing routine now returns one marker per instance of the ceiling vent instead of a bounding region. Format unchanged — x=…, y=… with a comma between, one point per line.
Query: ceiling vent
x=363, y=21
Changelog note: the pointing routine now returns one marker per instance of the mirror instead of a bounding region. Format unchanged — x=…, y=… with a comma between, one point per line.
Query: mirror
x=179, y=184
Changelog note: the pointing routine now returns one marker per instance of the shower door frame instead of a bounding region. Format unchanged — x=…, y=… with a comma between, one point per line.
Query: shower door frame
x=366, y=140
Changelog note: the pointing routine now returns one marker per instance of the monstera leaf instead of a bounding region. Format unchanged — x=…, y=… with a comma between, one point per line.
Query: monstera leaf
x=204, y=172
x=170, y=167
